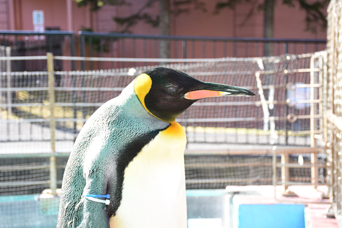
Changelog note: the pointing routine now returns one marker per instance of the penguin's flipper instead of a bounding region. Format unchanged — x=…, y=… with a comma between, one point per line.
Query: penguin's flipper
x=90, y=213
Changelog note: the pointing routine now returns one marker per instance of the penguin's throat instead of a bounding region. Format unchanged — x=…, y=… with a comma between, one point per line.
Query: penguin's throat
x=175, y=129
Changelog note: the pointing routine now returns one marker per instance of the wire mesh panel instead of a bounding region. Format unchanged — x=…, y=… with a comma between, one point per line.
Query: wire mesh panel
x=34, y=211
x=278, y=115
x=24, y=198
x=23, y=175
x=218, y=171
x=263, y=119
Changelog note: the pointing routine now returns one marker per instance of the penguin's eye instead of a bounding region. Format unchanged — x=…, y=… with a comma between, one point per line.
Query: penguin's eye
x=172, y=89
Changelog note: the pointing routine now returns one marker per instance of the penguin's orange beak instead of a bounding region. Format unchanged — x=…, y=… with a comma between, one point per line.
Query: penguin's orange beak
x=199, y=94
x=217, y=90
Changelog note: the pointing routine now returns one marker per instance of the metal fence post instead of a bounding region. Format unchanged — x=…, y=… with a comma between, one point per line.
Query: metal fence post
x=286, y=50
x=73, y=79
x=83, y=68
x=285, y=172
x=53, y=166
x=9, y=93
x=184, y=49
x=274, y=168
x=314, y=169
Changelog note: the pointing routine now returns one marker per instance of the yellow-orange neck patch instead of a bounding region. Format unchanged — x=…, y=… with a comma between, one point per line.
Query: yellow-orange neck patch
x=174, y=130
x=142, y=86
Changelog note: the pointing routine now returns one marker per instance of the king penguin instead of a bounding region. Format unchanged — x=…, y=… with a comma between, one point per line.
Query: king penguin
x=132, y=149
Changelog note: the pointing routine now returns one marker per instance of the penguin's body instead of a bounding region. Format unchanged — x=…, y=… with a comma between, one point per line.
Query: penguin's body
x=132, y=149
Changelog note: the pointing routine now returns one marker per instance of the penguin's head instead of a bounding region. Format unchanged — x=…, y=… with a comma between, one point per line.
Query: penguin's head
x=166, y=93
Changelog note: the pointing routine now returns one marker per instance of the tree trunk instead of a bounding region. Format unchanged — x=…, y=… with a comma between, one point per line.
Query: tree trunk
x=164, y=27
x=268, y=25
x=268, y=49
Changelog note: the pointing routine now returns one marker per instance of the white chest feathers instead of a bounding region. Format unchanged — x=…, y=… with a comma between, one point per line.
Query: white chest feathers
x=153, y=193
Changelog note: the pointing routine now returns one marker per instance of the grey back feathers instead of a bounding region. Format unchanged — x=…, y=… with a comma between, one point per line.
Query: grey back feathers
x=110, y=139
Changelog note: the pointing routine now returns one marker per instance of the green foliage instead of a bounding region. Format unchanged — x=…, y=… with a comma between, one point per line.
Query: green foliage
x=231, y=4
x=314, y=10
x=178, y=7
x=184, y=6
x=141, y=15
x=97, y=4
x=97, y=44
x=130, y=21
